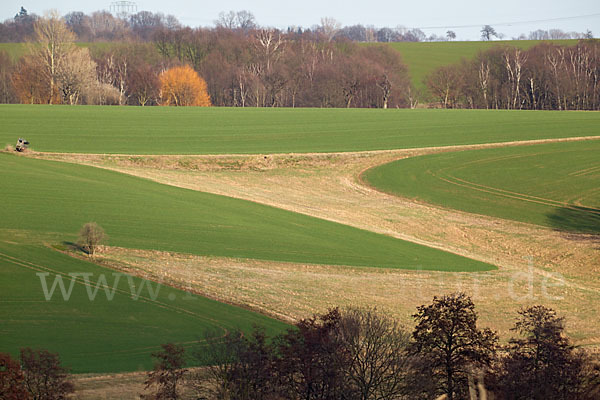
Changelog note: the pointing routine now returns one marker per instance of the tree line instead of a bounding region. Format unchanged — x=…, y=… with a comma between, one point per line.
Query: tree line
x=56, y=71
x=545, y=77
x=357, y=353
x=241, y=67
x=238, y=64
x=141, y=26
x=362, y=354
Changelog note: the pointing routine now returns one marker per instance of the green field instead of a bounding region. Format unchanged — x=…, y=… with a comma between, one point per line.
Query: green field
x=14, y=50
x=137, y=213
x=46, y=202
x=191, y=130
x=100, y=335
x=422, y=58
x=17, y=50
x=554, y=185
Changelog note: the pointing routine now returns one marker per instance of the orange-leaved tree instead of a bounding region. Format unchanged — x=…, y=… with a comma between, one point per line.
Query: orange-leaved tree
x=182, y=86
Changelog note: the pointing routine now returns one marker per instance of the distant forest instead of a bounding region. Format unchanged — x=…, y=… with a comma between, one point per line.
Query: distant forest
x=243, y=64
x=142, y=26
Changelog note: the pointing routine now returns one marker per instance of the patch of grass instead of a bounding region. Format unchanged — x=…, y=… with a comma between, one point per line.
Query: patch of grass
x=575, y=219
x=423, y=58
x=197, y=130
x=99, y=334
x=47, y=196
x=14, y=50
x=553, y=185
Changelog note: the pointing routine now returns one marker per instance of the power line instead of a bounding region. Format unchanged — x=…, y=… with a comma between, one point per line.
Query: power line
x=513, y=23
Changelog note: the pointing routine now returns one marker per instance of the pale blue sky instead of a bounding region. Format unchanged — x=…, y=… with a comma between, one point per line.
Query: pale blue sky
x=420, y=14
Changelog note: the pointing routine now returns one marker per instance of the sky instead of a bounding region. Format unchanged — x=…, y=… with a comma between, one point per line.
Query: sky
x=465, y=17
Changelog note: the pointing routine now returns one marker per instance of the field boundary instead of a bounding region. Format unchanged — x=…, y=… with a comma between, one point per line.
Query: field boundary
x=425, y=150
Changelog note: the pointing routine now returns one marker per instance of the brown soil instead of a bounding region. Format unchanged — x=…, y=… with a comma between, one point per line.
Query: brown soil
x=123, y=386
x=290, y=291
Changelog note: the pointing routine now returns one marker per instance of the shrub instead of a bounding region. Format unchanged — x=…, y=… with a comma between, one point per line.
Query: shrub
x=91, y=236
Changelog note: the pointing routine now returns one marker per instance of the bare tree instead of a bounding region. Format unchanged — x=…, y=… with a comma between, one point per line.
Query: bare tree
x=226, y=20
x=143, y=83
x=312, y=361
x=245, y=20
x=171, y=22
x=514, y=61
x=451, y=35
x=103, y=25
x=386, y=35
x=76, y=76
x=78, y=23
x=385, y=85
x=239, y=367
x=445, y=83
x=413, y=96
x=556, y=61
x=90, y=237
x=12, y=382
x=447, y=336
x=242, y=20
x=484, y=80
x=31, y=86
x=45, y=378
x=350, y=80
x=414, y=35
x=113, y=70
x=270, y=44
x=487, y=32
x=167, y=374
x=270, y=47
x=53, y=42
x=7, y=67
x=376, y=351
x=543, y=364
x=222, y=357
x=539, y=34
x=329, y=27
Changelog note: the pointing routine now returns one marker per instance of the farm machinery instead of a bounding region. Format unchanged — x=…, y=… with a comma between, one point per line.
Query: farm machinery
x=21, y=145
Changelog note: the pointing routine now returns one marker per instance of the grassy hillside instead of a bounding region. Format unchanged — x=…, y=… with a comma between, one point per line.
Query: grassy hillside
x=137, y=213
x=45, y=203
x=554, y=185
x=423, y=58
x=100, y=333
x=169, y=130
x=14, y=50
x=17, y=50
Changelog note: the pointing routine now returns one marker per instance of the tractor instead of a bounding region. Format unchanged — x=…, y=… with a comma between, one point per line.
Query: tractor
x=21, y=145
